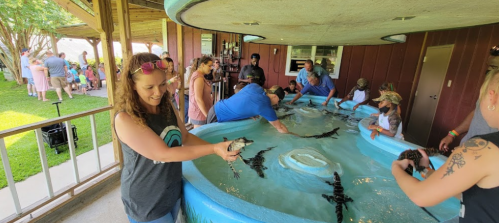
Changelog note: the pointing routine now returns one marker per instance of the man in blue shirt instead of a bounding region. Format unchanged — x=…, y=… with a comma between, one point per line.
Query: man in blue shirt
x=301, y=79
x=58, y=70
x=250, y=101
x=318, y=85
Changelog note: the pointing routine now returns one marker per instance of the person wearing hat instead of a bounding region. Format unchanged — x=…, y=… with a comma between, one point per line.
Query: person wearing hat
x=317, y=85
x=389, y=121
x=252, y=100
x=359, y=94
x=252, y=73
x=301, y=78
x=26, y=72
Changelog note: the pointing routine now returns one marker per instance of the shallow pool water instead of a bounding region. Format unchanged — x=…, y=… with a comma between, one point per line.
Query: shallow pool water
x=367, y=178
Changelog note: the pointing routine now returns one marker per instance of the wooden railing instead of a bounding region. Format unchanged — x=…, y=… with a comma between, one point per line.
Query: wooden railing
x=68, y=190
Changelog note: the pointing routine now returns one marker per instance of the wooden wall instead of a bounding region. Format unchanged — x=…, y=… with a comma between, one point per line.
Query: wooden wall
x=397, y=63
x=272, y=64
x=466, y=70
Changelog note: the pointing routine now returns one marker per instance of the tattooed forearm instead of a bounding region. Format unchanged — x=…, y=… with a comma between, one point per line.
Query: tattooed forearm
x=456, y=160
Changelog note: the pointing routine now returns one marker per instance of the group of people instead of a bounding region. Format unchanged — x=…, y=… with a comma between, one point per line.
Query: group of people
x=147, y=108
x=38, y=74
x=60, y=73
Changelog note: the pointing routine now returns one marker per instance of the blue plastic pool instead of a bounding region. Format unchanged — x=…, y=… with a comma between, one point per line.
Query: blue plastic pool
x=283, y=195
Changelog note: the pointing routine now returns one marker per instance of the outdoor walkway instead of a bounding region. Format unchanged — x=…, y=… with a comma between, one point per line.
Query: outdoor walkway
x=98, y=93
x=107, y=208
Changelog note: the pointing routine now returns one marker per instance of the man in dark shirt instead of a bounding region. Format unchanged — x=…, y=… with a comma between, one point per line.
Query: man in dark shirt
x=252, y=73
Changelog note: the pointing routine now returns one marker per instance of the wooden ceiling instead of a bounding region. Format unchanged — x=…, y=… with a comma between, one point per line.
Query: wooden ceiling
x=145, y=23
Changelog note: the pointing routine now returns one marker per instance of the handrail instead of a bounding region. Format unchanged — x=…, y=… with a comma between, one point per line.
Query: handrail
x=52, y=121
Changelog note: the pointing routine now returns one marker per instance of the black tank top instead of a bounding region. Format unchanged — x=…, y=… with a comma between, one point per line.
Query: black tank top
x=480, y=204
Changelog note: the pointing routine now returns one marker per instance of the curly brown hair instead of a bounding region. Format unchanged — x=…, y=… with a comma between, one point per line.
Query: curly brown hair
x=127, y=99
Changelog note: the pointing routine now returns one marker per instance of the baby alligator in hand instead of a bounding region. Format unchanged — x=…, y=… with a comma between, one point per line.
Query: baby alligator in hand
x=235, y=145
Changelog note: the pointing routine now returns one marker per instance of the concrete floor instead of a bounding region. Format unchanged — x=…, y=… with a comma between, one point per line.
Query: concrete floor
x=107, y=208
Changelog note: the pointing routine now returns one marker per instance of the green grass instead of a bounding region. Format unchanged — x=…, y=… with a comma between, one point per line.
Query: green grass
x=17, y=109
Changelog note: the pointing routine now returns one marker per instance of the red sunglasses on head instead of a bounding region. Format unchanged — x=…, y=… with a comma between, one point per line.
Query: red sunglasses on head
x=148, y=67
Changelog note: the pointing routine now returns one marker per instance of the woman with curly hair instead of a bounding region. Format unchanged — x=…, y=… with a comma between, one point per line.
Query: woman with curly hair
x=154, y=142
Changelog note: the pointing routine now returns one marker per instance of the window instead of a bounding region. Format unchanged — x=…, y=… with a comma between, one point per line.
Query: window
x=329, y=57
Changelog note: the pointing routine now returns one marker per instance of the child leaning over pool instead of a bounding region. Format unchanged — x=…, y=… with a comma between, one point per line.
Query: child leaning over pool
x=291, y=89
x=388, y=86
x=389, y=121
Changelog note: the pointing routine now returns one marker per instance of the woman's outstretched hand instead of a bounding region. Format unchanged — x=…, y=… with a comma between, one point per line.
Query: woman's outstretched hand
x=221, y=150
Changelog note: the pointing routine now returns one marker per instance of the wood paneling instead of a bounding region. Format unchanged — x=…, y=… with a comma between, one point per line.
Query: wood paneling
x=466, y=71
x=396, y=63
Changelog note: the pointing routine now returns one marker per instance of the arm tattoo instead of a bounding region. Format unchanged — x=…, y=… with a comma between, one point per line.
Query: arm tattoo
x=456, y=159
x=474, y=146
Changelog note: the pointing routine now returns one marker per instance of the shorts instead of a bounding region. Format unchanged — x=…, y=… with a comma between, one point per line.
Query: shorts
x=31, y=81
x=77, y=80
x=198, y=122
x=83, y=85
x=171, y=217
x=212, y=117
x=69, y=80
x=58, y=82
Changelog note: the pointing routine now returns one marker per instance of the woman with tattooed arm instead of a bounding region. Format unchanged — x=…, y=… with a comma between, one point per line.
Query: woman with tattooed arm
x=471, y=172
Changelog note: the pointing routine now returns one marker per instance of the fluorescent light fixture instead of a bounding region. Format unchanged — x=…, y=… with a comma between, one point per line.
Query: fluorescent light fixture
x=399, y=38
x=250, y=38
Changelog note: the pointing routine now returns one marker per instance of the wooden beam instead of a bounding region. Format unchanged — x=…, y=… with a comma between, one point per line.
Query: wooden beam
x=105, y=26
x=94, y=42
x=77, y=11
x=180, y=59
x=148, y=4
x=164, y=26
x=125, y=30
x=53, y=41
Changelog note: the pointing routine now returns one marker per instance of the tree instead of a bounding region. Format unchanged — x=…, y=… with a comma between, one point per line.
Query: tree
x=27, y=24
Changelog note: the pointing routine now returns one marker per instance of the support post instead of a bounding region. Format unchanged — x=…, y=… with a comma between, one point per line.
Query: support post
x=149, y=47
x=180, y=59
x=53, y=41
x=125, y=30
x=165, y=34
x=103, y=12
x=94, y=42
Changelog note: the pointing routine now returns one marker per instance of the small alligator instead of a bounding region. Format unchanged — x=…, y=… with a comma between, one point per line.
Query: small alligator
x=416, y=156
x=256, y=162
x=283, y=108
x=324, y=135
x=284, y=116
x=310, y=104
x=338, y=196
x=235, y=145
